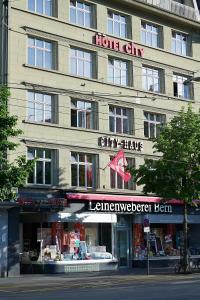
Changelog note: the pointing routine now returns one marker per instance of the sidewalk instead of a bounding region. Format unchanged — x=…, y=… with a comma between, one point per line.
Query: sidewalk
x=31, y=279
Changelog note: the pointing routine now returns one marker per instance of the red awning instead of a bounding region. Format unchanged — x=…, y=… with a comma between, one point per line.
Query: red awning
x=107, y=197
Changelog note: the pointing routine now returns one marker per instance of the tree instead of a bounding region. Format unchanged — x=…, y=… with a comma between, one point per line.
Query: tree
x=176, y=174
x=12, y=174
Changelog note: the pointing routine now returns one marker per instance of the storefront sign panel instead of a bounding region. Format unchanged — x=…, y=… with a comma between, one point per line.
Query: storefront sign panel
x=121, y=144
x=114, y=207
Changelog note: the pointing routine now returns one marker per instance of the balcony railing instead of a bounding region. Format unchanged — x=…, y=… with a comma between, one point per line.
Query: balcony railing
x=175, y=7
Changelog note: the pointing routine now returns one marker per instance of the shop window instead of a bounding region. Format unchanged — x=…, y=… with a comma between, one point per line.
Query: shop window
x=81, y=63
x=117, y=182
x=40, y=53
x=42, y=172
x=117, y=24
x=81, y=13
x=118, y=72
x=153, y=124
x=151, y=35
x=120, y=120
x=152, y=79
x=45, y=7
x=181, y=87
x=41, y=107
x=83, y=114
x=83, y=170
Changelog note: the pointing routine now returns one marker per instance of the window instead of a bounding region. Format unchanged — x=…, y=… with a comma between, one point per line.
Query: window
x=153, y=124
x=181, y=89
x=40, y=53
x=150, y=35
x=117, y=182
x=83, y=114
x=41, y=6
x=120, y=120
x=42, y=172
x=180, y=43
x=83, y=167
x=41, y=107
x=117, y=24
x=80, y=13
x=151, y=79
x=81, y=63
x=118, y=72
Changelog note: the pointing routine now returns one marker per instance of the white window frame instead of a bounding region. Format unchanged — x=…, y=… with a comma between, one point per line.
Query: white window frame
x=83, y=11
x=120, y=116
x=117, y=18
x=44, y=50
x=183, y=89
x=153, y=123
x=44, y=160
x=45, y=107
x=151, y=31
x=130, y=185
x=44, y=4
x=85, y=111
x=86, y=164
x=179, y=45
x=81, y=59
x=151, y=79
x=116, y=70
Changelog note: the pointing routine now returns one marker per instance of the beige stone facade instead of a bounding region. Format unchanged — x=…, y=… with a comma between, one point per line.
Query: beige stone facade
x=58, y=81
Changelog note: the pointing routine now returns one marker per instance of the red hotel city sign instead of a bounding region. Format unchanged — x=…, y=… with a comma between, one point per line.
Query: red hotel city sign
x=129, y=48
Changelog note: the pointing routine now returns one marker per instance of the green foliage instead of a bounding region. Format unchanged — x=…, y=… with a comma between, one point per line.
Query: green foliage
x=176, y=174
x=12, y=174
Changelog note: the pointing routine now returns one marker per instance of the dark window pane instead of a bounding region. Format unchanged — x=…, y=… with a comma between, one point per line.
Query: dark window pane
x=146, y=129
x=74, y=175
x=73, y=118
x=81, y=175
x=31, y=177
x=111, y=123
x=39, y=172
x=89, y=175
x=112, y=178
x=47, y=173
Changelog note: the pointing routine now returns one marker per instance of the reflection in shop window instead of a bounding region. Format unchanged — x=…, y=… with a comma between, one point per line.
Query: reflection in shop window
x=42, y=172
x=180, y=43
x=81, y=63
x=83, y=167
x=41, y=6
x=150, y=34
x=80, y=13
x=120, y=120
x=118, y=72
x=116, y=181
x=182, y=88
x=117, y=24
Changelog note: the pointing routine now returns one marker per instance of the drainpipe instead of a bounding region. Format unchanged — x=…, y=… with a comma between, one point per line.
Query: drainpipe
x=4, y=43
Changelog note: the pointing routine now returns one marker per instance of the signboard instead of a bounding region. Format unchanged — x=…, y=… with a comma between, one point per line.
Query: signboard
x=114, y=44
x=123, y=207
x=121, y=144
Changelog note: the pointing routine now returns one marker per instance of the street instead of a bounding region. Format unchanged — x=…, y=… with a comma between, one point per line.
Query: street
x=131, y=287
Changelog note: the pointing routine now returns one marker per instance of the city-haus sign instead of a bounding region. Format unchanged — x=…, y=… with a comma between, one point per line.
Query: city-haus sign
x=120, y=144
x=114, y=44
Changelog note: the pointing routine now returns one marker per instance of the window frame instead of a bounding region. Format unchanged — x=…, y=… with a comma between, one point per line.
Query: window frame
x=178, y=84
x=78, y=59
x=83, y=11
x=145, y=32
x=113, y=70
x=179, y=43
x=113, y=20
x=148, y=76
x=44, y=160
x=156, y=124
x=85, y=112
x=79, y=163
x=44, y=51
x=117, y=179
x=44, y=105
x=122, y=118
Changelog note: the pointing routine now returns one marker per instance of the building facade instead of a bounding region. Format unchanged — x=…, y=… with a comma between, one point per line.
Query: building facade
x=88, y=78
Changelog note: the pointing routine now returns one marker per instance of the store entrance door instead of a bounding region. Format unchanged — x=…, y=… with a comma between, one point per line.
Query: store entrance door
x=123, y=247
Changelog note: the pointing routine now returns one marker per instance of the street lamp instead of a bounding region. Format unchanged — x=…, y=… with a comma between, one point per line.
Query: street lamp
x=197, y=79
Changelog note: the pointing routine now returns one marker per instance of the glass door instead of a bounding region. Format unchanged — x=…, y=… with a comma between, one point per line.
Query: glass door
x=123, y=247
